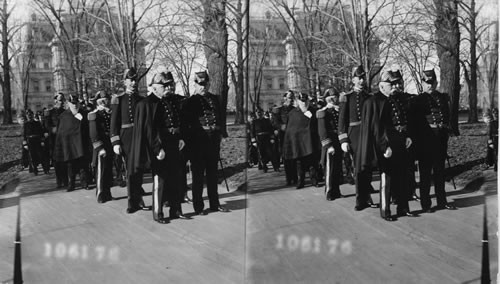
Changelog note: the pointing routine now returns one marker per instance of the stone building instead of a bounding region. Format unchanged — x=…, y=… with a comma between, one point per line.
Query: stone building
x=45, y=65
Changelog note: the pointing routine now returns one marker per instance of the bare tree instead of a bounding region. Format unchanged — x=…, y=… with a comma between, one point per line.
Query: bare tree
x=474, y=30
x=237, y=67
x=8, y=32
x=215, y=38
x=448, y=44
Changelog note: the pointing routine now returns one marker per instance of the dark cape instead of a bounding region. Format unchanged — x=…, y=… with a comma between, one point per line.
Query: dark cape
x=298, y=140
x=141, y=150
x=71, y=137
x=373, y=140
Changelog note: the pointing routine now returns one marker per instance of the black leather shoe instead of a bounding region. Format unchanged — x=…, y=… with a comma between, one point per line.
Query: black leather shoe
x=220, y=208
x=390, y=218
x=446, y=206
x=131, y=210
x=161, y=219
x=178, y=215
x=200, y=213
x=428, y=210
x=373, y=205
x=407, y=214
x=143, y=207
x=361, y=207
x=300, y=185
x=70, y=188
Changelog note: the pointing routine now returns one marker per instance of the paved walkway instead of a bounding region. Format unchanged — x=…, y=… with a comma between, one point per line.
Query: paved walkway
x=273, y=234
x=296, y=236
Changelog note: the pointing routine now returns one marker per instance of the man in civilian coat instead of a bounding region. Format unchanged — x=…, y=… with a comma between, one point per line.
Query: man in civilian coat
x=72, y=142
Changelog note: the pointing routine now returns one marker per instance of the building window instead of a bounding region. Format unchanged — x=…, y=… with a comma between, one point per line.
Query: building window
x=48, y=85
x=267, y=61
x=36, y=86
x=269, y=83
x=281, y=60
x=282, y=83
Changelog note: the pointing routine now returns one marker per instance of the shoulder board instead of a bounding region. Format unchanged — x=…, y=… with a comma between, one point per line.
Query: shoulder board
x=92, y=115
x=321, y=113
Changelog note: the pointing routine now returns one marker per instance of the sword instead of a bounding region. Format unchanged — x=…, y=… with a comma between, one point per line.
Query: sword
x=449, y=166
x=124, y=169
x=224, y=176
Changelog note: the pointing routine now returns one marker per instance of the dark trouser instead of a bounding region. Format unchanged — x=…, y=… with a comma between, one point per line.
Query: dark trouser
x=363, y=177
x=290, y=171
x=265, y=150
x=61, y=169
x=307, y=163
x=276, y=155
x=396, y=173
x=134, y=189
x=120, y=168
x=134, y=181
x=104, y=177
x=74, y=167
x=333, y=173
x=35, y=151
x=204, y=159
x=45, y=156
x=432, y=168
x=167, y=183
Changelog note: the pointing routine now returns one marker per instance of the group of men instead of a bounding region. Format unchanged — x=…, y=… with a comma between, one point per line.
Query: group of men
x=137, y=133
x=386, y=131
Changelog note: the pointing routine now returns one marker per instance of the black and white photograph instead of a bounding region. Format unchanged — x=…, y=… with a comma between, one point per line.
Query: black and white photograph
x=238, y=141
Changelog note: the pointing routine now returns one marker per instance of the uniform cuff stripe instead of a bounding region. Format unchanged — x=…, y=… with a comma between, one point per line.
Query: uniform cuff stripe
x=97, y=144
x=115, y=138
x=342, y=136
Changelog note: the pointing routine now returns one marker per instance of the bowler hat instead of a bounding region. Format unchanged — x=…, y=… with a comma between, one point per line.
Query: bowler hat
x=201, y=78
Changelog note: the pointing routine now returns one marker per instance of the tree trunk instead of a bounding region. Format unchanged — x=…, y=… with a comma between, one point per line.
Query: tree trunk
x=7, y=102
x=473, y=67
x=447, y=45
x=239, y=84
x=215, y=39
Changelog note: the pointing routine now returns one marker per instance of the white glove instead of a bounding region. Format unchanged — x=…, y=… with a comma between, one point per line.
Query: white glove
x=276, y=132
x=42, y=144
x=46, y=135
x=408, y=142
x=117, y=149
x=161, y=155
x=102, y=153
x=253, y=140
x=25, y=147
x=272, y=141
x=388, y=153
x=345, y=147
x=331, y=150
x=181, y=144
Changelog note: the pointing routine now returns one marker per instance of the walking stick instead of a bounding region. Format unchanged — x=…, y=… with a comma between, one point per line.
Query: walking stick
x=224, y=176
x=449, y=166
